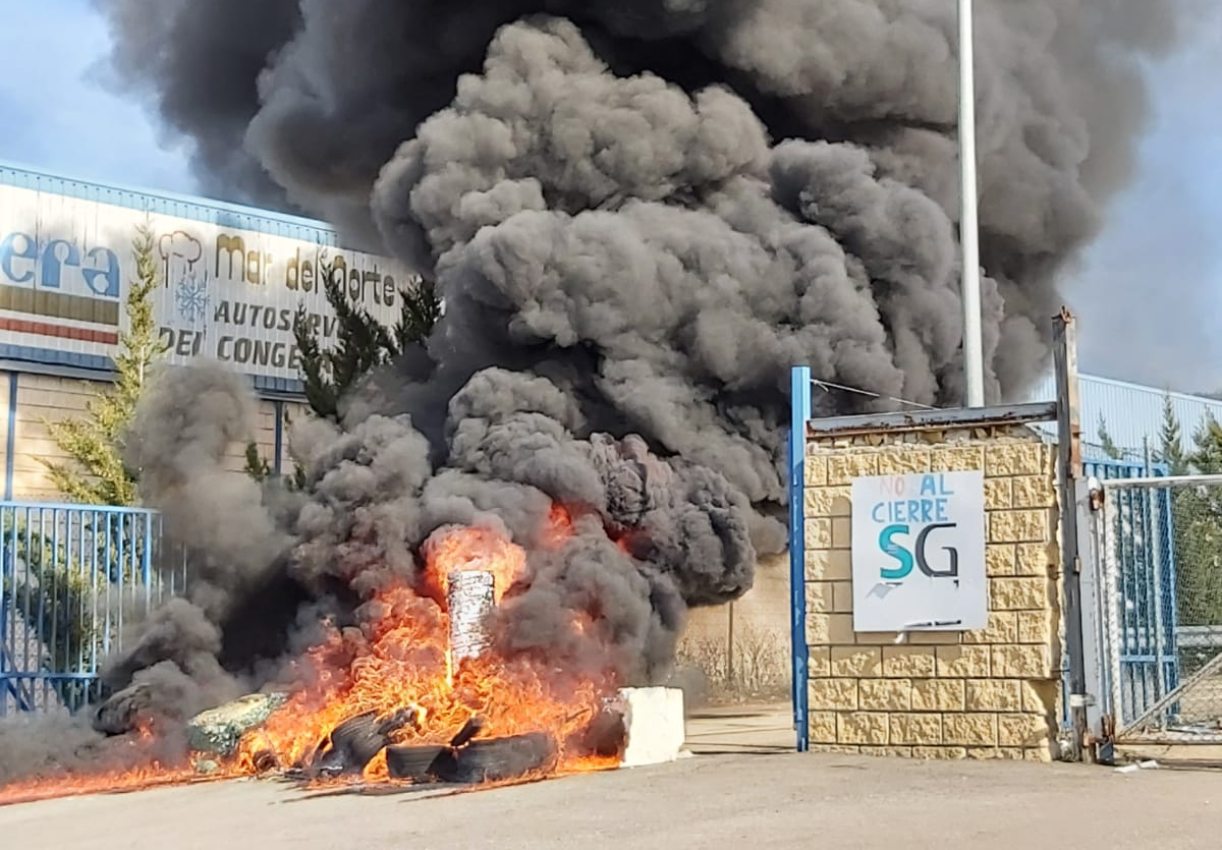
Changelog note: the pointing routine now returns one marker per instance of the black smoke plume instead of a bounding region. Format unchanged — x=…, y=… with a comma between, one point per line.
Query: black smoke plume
x=640, y=214
x=306, y=102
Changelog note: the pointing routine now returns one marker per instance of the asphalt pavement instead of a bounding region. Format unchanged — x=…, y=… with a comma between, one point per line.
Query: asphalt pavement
x=739, y=787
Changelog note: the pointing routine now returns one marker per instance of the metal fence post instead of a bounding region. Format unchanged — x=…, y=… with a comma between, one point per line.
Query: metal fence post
x=10, y=436
x=1069, y=462
x=1115, y=628
x=278, y=452
x=730, y=644
x=1155, y=562
x=1168, y=563
x=799, y=416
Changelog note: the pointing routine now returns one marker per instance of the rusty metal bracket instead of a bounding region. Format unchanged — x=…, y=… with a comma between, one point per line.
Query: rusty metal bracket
x=924, y=420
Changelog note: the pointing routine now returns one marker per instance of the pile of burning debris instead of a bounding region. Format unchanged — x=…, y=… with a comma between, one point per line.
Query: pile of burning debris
x=420, y=693
x=477, y=729
x=418, y=688
x=348, y=750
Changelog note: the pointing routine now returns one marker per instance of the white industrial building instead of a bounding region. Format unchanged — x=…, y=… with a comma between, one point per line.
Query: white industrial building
x=1132, y=413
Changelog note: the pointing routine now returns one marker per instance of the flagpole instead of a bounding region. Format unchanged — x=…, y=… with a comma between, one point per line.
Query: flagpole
x=973, y=346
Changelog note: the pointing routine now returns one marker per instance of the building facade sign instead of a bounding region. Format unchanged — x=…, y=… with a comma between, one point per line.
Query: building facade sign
x=227, y=293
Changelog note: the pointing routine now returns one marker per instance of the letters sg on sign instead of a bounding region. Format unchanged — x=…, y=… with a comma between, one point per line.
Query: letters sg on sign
x=918, y=553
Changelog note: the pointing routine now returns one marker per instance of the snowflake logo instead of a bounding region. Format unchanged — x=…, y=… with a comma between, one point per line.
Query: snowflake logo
x=192, y=297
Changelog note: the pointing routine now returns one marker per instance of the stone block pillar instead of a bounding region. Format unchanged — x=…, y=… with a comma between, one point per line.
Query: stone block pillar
x=985, y=694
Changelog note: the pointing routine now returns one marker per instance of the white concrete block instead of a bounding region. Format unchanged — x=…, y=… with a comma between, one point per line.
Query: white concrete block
x=654, y=723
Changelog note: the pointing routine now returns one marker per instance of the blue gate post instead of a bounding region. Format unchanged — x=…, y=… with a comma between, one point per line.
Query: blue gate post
x=1170, y=592
x=799, y=416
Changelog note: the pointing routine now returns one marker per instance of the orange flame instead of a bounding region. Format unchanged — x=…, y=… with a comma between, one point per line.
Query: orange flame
x=398, y=659
x=149, y=771
x=481, y=549
x=559, y=527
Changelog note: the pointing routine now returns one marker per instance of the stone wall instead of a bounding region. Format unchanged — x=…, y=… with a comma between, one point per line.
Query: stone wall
x=985, y=694
x=758, y=640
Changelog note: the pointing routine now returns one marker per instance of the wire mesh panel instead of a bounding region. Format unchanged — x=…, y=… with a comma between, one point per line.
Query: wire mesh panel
x=1139, y=558
x=1162, y=550
x=72, y=577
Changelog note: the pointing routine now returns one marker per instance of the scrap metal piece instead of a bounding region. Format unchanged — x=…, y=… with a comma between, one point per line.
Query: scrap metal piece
x=218, y=730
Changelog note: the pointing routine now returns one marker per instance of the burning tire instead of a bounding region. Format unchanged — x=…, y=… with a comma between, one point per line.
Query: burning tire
x=354, y=743
x=496, y=759
x=491, y=760
x=412, y=763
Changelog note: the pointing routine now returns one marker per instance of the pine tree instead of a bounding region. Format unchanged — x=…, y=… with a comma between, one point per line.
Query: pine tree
x=97, y=474
x=256, y=466
x=1171, y=448
x=420, y=310
x=1197, y=520
x=1106, y=442
x=1182, y=508
x=363, y=343
x=1207, y=446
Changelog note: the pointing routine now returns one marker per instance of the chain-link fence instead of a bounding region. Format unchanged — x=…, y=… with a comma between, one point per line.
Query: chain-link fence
x=1161, y=543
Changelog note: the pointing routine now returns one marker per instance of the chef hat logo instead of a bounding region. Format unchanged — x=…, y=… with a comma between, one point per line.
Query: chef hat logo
x=180, y=245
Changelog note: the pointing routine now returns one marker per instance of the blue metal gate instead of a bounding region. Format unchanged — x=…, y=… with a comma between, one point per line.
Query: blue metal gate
x=71, y=577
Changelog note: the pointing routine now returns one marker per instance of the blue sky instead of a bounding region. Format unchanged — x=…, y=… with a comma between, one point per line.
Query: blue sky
x=58, y=113
x=1148, y=292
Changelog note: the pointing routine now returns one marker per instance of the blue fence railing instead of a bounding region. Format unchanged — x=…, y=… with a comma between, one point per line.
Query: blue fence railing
x=71, y=578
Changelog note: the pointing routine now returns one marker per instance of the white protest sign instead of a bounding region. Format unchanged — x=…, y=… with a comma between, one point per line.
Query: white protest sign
x=918, y=553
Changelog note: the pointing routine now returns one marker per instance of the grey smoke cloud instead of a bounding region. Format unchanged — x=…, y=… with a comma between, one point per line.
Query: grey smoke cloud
x=178, y=440
x=668, y=534
x=199, y=65
x=661, y=206
x=320, y=97
x=1060, y=90
x=640, y=214
x=667, y=204
x=168, y=674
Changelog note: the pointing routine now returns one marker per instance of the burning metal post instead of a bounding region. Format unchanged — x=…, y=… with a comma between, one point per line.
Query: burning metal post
x=471, y=596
